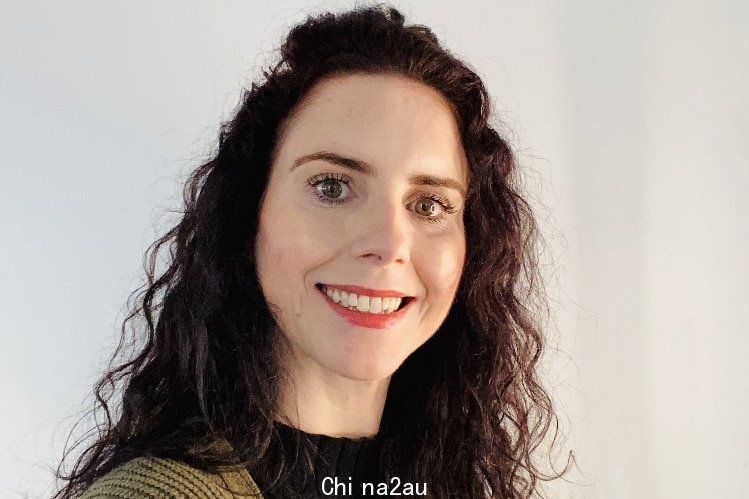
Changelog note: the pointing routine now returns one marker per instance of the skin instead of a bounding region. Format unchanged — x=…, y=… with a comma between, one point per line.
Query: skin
x=378, y=237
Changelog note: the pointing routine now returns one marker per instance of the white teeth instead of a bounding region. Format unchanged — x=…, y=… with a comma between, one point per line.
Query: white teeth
x=390, y=304
x=363, y=303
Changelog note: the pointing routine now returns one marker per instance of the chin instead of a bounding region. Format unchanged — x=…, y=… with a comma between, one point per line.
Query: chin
x=368, y=368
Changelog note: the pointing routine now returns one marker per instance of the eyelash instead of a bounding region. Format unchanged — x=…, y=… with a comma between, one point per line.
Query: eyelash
x=447, y=207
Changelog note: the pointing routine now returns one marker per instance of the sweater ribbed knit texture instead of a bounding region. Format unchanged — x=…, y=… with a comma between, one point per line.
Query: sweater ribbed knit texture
x=155, y=478
x=351, y=460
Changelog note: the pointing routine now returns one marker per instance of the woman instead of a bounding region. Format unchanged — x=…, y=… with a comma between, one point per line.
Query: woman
x=346, y=307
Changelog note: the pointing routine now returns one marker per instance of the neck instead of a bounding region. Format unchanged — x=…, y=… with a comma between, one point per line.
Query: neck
x=319, y=401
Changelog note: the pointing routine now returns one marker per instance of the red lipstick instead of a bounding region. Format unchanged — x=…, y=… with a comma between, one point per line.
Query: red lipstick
x=365, y=319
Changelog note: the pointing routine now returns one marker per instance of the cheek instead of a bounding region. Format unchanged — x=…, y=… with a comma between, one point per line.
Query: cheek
x=282, y=232
x=275, y=247
x=442, y=264
x=290, y=239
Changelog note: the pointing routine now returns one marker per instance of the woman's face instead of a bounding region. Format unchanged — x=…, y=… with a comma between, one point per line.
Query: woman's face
x=364, y=205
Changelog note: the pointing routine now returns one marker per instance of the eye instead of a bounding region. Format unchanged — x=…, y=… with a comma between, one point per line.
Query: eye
x=330, y=187
x=433, y=208
x=427, y=207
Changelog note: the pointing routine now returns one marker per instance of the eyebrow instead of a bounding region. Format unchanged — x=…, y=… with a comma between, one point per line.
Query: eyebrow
x=364, y=167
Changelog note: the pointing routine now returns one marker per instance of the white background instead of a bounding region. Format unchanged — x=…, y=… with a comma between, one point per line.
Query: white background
x=631, y=119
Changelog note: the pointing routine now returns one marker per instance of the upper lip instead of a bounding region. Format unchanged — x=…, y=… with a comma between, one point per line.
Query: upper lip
x=359, y=290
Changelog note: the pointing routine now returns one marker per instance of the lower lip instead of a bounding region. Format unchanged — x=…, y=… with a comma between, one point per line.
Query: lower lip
x=363, y=319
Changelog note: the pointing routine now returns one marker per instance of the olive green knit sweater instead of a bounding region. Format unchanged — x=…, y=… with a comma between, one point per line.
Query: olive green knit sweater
x=154, y=478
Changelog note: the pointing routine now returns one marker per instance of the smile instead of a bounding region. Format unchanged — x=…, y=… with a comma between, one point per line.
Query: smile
x=365, y=307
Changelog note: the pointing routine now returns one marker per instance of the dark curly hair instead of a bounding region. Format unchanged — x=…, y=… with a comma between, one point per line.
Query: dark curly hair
x=464, y=413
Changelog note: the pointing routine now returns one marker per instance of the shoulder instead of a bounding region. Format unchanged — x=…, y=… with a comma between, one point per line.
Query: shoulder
x=156, y=478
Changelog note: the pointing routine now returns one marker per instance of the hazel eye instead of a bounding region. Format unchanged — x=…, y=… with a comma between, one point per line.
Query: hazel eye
x=427, y=207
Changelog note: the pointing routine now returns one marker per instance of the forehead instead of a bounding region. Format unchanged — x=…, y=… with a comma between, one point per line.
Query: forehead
x=382, y=119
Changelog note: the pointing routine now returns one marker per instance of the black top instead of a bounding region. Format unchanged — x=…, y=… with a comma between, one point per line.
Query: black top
x=340, y=465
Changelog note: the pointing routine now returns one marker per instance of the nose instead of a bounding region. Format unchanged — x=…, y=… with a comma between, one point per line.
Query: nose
x=383, y=235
